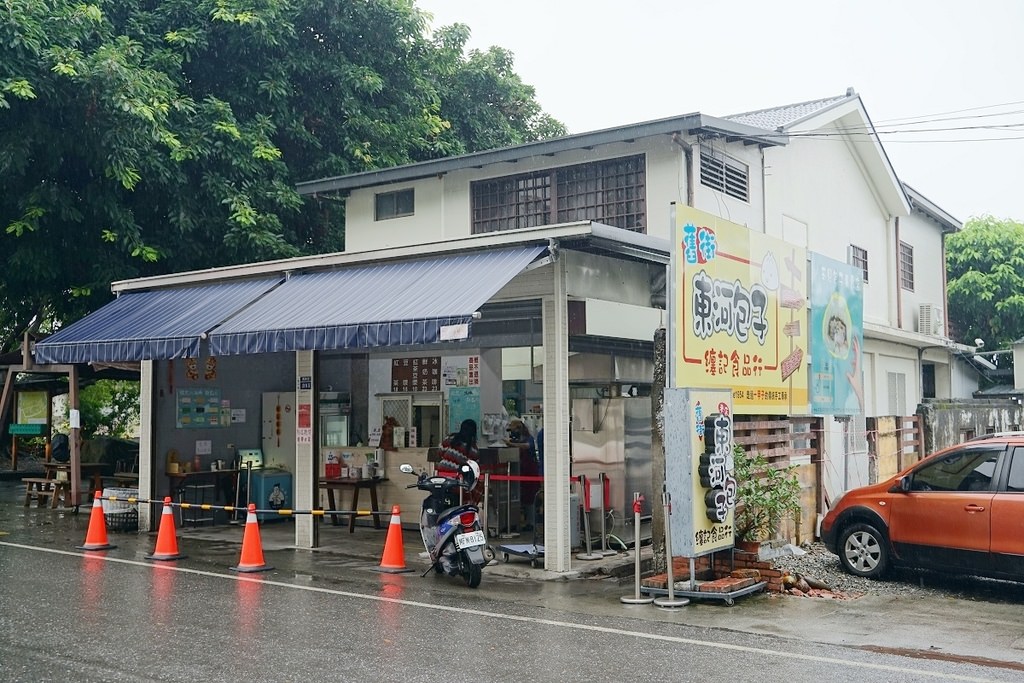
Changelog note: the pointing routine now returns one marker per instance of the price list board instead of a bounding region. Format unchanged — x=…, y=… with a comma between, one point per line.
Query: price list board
x=416, y=374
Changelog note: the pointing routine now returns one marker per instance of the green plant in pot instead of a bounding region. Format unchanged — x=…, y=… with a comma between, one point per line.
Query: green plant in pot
x=766, y=495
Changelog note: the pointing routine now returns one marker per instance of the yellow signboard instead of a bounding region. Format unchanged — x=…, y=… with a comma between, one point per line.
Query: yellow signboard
x=740, y=314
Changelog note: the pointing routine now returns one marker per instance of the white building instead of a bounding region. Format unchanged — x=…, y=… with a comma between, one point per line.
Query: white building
x=577, y=286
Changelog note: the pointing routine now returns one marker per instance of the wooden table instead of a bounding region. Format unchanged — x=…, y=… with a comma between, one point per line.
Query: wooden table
x=356, y=484
x=92, y=470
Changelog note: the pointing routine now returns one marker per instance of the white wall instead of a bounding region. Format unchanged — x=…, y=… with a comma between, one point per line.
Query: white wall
x=820, y=183
x=443, y=204
x=925, y=237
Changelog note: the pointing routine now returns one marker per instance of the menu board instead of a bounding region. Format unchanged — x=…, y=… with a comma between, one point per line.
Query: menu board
x=198, y=408
x=416, y=374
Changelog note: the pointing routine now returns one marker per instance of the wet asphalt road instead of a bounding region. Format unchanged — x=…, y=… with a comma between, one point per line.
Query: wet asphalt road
x=96, y=618
x=66, y=615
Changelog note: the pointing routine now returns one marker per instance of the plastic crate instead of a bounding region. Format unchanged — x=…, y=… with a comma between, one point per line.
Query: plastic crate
x=127, y=520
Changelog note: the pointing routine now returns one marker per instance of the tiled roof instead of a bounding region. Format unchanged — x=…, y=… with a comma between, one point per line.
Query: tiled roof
x=778, y=118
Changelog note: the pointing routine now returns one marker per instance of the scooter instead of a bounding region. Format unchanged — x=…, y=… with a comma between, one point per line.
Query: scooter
x=452, y=533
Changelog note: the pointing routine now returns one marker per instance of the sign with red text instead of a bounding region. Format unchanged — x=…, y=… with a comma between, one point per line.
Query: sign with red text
x=739, y=314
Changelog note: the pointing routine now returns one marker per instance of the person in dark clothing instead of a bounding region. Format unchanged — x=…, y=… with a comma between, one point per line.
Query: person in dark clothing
x=529, y=466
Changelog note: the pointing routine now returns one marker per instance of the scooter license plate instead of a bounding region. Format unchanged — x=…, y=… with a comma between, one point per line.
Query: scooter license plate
x=470, y=540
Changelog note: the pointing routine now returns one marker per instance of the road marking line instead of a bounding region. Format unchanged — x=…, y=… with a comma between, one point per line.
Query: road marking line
x=513, y=617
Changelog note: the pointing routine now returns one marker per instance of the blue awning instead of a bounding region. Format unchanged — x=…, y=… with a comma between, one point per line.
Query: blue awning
x=151, y=325
x=383, y=304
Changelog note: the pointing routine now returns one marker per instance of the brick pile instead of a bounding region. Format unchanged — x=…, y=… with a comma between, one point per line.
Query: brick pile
x=725, y=576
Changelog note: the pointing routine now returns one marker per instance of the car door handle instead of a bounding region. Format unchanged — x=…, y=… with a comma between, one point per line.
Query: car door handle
x=974, y=508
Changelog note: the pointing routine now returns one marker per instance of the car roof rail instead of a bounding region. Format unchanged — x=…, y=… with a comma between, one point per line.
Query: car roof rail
x=995, y=435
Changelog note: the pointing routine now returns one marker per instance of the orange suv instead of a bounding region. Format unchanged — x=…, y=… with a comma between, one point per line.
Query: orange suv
x=959, y=510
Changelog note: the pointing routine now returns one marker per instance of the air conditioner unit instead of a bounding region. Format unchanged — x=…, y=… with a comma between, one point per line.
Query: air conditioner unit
x=930, y=320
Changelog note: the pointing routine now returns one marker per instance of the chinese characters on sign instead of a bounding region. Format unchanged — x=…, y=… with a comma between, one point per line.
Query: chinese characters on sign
x=699, y=469
x=416, y=374
x=716, y=463
x=739, y=314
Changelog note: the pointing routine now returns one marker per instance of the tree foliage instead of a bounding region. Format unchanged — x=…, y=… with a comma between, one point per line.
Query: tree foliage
x=139, y=138
x=985, y=281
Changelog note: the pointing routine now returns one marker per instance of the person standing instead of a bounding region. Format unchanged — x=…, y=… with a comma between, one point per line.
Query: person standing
x=529, y=466
x=455, y=451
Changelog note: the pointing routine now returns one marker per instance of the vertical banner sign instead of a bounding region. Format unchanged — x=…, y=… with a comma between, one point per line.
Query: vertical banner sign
x=739, y=318
x=699, y=470
x=837, y=337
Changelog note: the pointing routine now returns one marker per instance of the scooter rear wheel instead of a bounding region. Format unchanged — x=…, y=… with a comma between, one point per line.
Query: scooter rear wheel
x=471, y=573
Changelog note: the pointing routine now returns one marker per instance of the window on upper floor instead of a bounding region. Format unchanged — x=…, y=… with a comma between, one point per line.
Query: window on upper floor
x=906, y=266
x=859, y=258
x=397, y=204
x=613, y=192
x=723, y=173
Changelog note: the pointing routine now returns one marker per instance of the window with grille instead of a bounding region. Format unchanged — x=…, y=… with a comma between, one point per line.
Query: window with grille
x=611, y=192
x=394, y=204
x=906, y=266
x=724, y=174
x=859, y=258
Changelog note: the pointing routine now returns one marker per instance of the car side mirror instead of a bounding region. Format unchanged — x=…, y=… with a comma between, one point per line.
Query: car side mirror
x=903, y=485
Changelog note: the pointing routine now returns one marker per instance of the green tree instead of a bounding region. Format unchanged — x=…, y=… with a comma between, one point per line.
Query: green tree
x=139, y=138
x=985, y=281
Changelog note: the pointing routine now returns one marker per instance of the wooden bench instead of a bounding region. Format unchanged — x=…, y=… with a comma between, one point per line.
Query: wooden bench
x=40, y=488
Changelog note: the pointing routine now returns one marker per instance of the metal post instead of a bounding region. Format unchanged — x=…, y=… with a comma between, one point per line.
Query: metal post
x=605, y=487
x=671, y=600
x=636, y=598
x=487, y=503
x=589, y=554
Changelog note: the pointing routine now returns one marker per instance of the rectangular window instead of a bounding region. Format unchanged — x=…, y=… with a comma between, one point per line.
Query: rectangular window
x=897, y=393
x=906, y=266
x=394, y=204
x=612, y=192
x=859, y=258
x=724, y=174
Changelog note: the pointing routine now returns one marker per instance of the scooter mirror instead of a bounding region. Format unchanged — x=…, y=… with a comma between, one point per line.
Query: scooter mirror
x=406, y=468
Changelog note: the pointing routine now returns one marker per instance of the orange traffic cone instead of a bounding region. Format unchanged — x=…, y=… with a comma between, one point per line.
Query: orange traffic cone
x=96, y=537
x=393, y=561
x=252, y=547
x=166, y=539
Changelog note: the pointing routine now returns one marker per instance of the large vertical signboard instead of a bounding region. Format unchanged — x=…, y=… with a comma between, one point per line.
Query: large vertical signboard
x=699, y=470
x=739, y=314
x=837, y=337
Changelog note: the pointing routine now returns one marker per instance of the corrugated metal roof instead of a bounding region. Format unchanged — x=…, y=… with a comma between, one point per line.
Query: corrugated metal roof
x=780, y=118
x=384, y=304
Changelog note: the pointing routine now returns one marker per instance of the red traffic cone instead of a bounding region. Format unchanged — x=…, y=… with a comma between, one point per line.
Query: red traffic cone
x=252, y=548
x=166, y=539
x=96, y=537
x=393, y=561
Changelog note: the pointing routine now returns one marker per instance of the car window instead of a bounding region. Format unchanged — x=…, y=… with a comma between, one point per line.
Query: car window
x=965, y=470
x=1015, y=482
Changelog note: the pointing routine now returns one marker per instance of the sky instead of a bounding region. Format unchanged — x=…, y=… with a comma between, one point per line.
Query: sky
x=941, y=78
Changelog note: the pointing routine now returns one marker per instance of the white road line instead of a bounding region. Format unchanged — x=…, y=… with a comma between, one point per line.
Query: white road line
x=513, y=617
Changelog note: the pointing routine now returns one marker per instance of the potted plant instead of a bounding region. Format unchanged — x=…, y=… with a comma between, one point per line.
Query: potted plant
x=765, y=496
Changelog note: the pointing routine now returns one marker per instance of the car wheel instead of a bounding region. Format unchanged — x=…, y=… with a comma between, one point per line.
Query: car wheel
x=864, y=551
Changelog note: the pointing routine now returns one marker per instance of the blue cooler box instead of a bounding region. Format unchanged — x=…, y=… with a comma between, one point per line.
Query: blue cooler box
x=271, y=490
